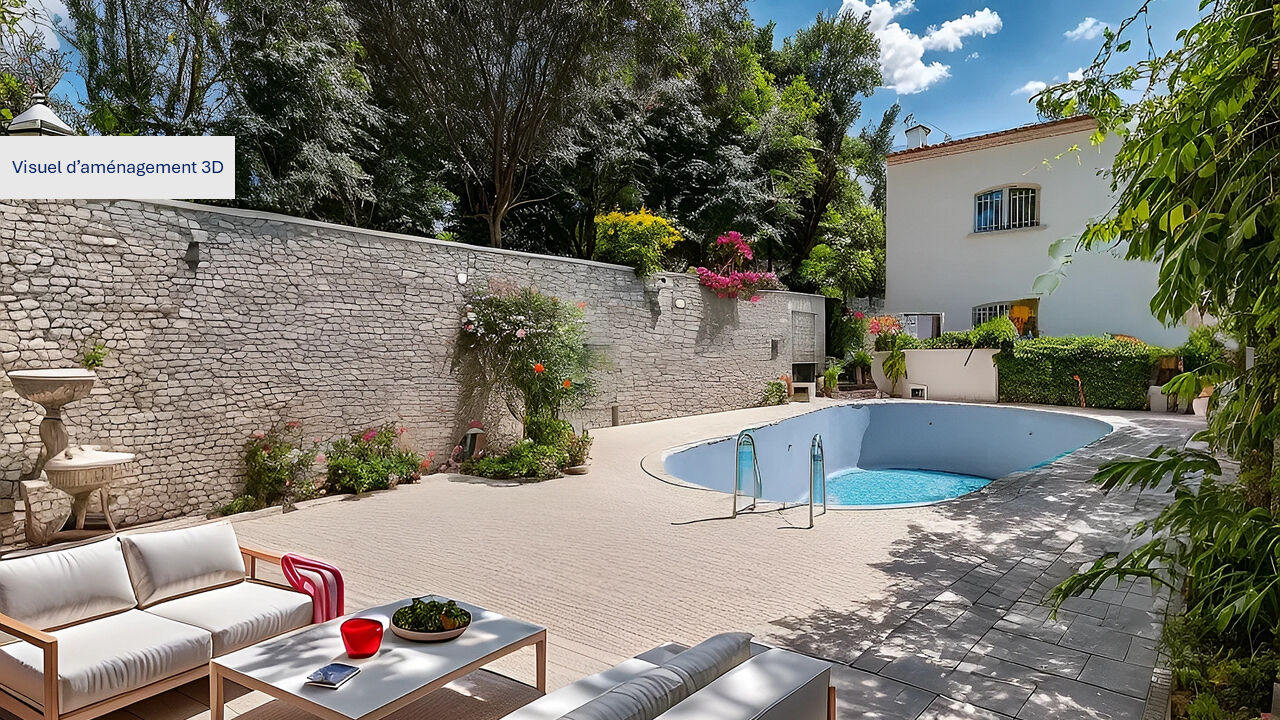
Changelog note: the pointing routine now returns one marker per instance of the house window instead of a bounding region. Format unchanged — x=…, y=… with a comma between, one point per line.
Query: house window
x=990, y=311
x=1006, y=209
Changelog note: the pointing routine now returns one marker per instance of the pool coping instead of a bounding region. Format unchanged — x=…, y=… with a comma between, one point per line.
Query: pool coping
x=1114, y=421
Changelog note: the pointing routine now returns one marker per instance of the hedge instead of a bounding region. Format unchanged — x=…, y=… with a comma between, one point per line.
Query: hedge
x=1115, y=373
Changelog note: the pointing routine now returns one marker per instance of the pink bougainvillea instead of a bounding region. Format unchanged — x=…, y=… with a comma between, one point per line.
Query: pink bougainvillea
x=730, y=277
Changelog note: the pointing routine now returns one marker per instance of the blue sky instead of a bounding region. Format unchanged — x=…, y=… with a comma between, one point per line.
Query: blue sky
x=963, y=66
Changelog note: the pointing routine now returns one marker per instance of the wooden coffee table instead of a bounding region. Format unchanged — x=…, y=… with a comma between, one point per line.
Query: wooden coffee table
x=401, y=673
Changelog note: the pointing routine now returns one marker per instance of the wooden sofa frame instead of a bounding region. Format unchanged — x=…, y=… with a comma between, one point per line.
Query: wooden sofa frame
x=49, y=645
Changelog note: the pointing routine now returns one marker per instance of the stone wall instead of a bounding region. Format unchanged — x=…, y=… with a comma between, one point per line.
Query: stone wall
x=335, y=327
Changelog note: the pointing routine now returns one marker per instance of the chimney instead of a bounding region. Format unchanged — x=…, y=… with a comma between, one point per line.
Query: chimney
x=917, y=136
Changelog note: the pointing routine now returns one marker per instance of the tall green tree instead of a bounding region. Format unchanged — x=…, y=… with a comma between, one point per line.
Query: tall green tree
x=299, y=108
x=838, y=57
x=27, y=64
x=498, y=81
x=150, y=67
x=877, y=142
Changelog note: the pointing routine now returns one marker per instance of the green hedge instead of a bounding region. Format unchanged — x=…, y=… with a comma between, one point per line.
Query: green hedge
x=1115, y=373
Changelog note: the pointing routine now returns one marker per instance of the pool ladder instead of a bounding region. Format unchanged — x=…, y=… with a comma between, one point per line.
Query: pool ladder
x=817, y=474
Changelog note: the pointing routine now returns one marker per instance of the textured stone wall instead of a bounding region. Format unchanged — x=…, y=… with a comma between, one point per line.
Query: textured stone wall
x=335, y=327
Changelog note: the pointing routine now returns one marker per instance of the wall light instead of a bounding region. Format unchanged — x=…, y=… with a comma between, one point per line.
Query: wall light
x=193, y=254
x=462, y=278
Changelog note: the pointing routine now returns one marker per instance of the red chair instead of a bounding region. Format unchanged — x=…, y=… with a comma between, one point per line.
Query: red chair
x=322, y=581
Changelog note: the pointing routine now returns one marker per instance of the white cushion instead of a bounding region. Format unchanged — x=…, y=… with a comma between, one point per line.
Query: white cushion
x=774, y=685
x=59, y=588
x=710, y=659
x=102, y=658
x=641, y=698
x=163, y=565
x=239, y=615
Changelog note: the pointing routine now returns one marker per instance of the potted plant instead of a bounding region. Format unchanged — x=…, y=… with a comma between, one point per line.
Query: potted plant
x=579, y=452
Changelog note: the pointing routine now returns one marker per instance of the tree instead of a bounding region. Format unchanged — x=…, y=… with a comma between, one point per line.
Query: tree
x=498, y=81
x=838, y=57
x=1195, y=180
x=299, y=108
x=150, y=67
x=877, y=141
x=27, y=64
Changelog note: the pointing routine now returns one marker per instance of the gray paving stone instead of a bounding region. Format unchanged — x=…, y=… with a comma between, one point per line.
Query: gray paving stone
x=1033, y=653
x=1086, y=606
x=1131, y=680
x=947, y=709
x=1134, y=622
x=1097, y=640
x=1142, y=652
x=1063, y=699
x=862, y=695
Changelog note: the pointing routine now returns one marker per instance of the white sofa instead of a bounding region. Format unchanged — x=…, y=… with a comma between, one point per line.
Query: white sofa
x=728, y=677
x=90, y=629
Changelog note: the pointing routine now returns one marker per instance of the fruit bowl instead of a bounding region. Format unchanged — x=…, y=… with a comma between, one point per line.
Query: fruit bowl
x=430, y=619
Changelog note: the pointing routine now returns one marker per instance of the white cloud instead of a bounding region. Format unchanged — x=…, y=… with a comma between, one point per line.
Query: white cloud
x=1077, y=74
x=951, y=34
x=39, y=15
x=972, y=56
x=1088, y=29
x=902, y=51
x=1030, y=88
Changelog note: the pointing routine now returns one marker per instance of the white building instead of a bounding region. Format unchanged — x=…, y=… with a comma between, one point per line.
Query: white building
x=969, y=225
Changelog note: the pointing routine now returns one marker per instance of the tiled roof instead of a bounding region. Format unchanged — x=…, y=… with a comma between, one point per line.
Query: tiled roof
x=1002, y=137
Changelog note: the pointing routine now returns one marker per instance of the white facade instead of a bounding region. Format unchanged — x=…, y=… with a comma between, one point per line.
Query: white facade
x=936, y=262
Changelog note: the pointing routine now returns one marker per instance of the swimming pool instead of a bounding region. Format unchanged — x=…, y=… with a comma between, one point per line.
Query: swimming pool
x=890, y=453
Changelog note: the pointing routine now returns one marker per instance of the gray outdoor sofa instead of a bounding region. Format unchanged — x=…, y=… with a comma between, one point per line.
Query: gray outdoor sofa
x=727, y=677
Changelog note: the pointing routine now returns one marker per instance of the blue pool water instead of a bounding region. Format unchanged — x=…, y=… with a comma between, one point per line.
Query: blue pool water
x=951, y=449
x=894, y=486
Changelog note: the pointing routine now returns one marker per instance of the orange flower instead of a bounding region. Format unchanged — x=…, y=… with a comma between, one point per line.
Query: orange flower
x=539, y=368
x=566, y=383
x=582, y=305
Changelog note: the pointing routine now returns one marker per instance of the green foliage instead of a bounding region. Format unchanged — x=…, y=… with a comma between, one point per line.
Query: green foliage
x=1114, y=373
x=299, y=108
x=894, y=364
x=831, y=376
x=898, y=340
x=548, y=431
x=861, y=359
x=995, y=334
x=775, y=393
x=527, y=347
x=371, y=460
x=578, y=449
x=27, y=64
x=277, y=468
x=640, y=240
x=94, y=355
x=150, y=67
x=525, y=460
x=1202, y=349
x=1237, y=683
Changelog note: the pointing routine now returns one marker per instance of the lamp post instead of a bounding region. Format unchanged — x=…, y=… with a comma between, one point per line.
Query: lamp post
x=39, y=119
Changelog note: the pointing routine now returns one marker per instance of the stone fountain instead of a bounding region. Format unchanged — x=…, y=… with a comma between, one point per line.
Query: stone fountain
x=78, y=470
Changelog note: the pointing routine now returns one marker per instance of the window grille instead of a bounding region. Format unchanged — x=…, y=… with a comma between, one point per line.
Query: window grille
x=990, y=311
x=1006, y=209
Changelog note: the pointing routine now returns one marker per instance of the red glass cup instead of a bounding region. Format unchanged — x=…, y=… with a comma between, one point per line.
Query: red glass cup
x=362, y=637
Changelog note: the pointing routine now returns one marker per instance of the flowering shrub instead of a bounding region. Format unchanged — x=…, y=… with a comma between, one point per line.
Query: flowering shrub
x=728, y=277
x=638, y=239
x=528, y=347
x=775, y=393
x=884, y=325
x=526, y=460
x=277, y=468
x=371, y=460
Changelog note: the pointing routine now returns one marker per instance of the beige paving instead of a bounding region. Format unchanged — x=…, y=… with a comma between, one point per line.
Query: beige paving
x=615, y=562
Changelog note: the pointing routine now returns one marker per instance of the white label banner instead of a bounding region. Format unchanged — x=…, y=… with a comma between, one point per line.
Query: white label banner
x=127, y=168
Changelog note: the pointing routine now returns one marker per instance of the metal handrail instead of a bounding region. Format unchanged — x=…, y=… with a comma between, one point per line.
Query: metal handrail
x=745, y=438
x=817, y=474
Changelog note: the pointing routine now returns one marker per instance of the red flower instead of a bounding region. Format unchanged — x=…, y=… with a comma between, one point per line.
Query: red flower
x=369, y=435
x=293, y=424
x=566, y=383
x=539, y=368
x=258, y=434
x=582, y=305
x=858, y=314
x=266, y=448
x=401, y=431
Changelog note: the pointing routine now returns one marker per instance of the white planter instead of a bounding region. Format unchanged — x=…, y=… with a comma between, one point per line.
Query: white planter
x=960, y=375
x=1200, y=406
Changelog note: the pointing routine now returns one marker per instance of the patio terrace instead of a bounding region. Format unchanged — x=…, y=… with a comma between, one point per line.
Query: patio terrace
x=930, y=612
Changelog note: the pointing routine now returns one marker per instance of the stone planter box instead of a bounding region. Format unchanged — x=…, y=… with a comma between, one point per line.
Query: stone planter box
x=960, y=375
